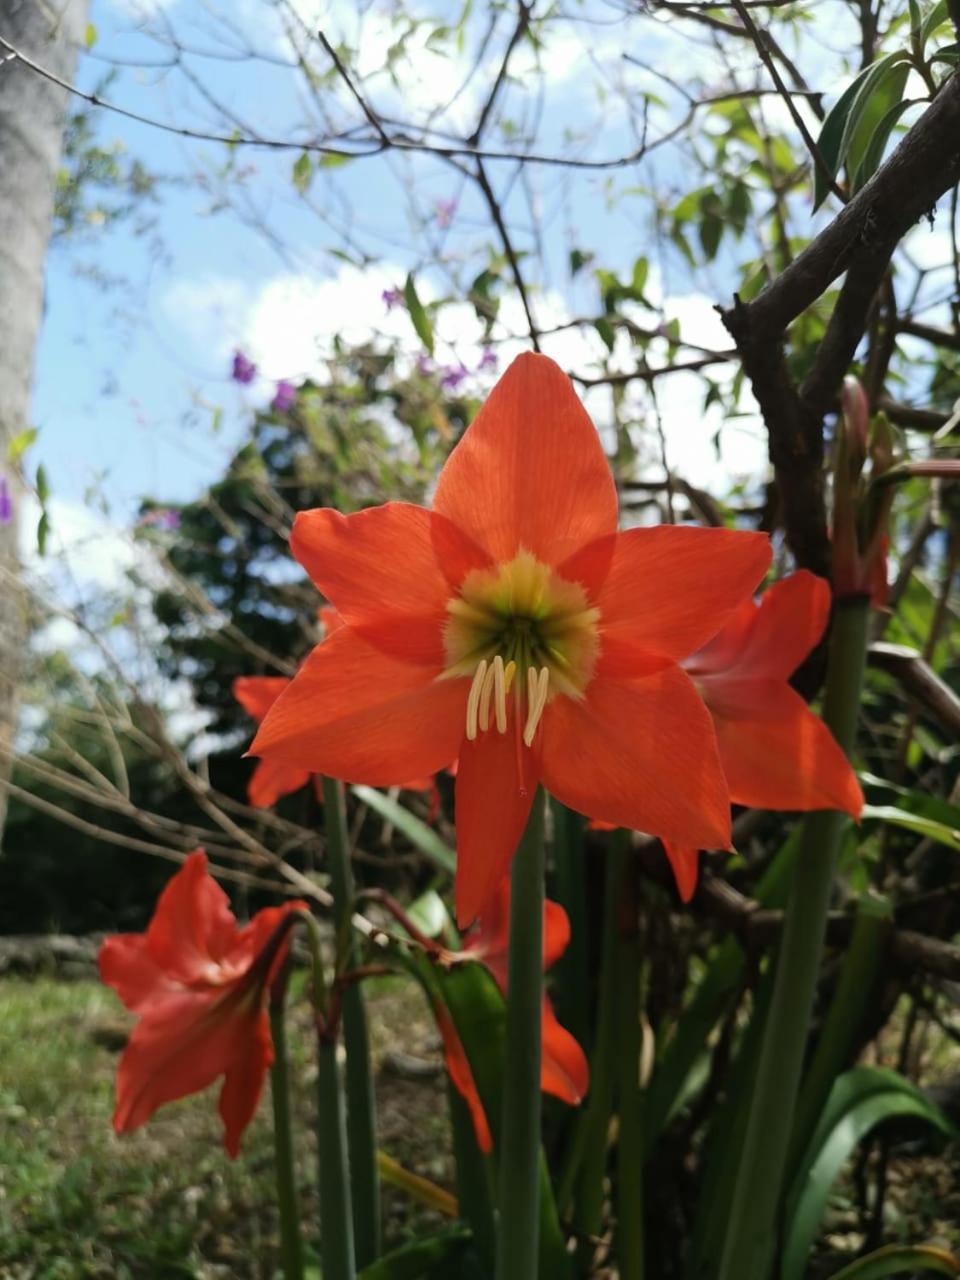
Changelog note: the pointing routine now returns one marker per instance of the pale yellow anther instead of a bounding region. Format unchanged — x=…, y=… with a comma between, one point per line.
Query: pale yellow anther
x=483, y=714
x=473, y=699
x=538, y=688
x=509, y=671
x=500, y=685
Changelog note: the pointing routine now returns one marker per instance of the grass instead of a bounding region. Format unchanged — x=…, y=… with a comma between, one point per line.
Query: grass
x=77, y=1201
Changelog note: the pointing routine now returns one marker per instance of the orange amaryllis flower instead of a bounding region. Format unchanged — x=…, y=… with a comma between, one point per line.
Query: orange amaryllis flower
x=564, y=1070
x=776, y=753
x=198, y=983
x=271, y=779
x=514, y=628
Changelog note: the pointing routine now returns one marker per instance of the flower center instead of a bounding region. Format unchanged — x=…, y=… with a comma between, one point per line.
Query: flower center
x=519, y=629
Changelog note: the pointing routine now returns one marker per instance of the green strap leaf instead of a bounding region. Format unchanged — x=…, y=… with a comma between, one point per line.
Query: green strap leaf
x=417, y=832
x=922, y=825
x=896, y=1259
x=419, y=1258
x=860, y=1100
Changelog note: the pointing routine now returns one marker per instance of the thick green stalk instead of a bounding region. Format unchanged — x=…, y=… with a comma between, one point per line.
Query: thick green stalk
x=291, y=1248
x=519, y=1176
x=571, y=972
x=587, y=1159
x=630, y=1148
x=336, y=1217
x=361, y=1103
x=848, y=1009
x=751, y=1234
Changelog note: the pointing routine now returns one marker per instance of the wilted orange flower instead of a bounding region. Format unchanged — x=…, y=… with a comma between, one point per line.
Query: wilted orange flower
x=564, y=1070
x=776, y=753
x=514, y=628
x=198, y=982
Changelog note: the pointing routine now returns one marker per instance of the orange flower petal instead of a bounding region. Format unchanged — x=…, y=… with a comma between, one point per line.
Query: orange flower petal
x=491, y=806
x=786, y=759
x=772, y=638
x=685, y=861
x=382, y=571
x=639, y=754
x=564, y=1071
x=272, y=779
x=668, y=589
x=556, y=933
x=355, y=713
x=125, y=963
x=257, y=694
x=461, y=1076
x=530, y=471
x=180, y=1046
x=243, y=1085
x=192, y=924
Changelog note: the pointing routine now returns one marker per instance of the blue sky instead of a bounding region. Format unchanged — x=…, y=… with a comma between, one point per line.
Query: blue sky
x=127, y=379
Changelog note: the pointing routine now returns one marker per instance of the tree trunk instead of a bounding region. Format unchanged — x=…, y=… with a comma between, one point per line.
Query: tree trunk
x=31, y=134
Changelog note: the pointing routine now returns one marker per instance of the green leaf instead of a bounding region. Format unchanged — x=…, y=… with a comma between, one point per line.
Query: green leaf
x=937, y=16
x=420, y=1257
x=417, y=832
x=20, y=443
x=831, y=136
x=429, y=913
x=418, y=314
x=302, y=172
x=43, y=485
x=578, y=260
x=882, y=87
x=869, y=115
x=333, y=160
x=930, y=828
x=605, y=330
x=896, y=1259
x=859, y=1101
x=43, y=532
x=641, y=269
x=90, y=35
x=875, y=148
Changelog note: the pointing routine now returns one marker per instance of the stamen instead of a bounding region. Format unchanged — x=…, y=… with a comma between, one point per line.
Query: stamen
x=538, y=686
x=473, y=699
x=483, y=715
x=500, y=685
x=509, y=671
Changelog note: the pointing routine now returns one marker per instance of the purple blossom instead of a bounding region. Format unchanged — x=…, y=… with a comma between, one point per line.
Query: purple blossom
x=452, y=375
x=284, y=398
x=424, y=365
x=443, y=211
x=160, y=518
x=392, y=298
x=243, y=369
x=488, y=361
x=6, y=502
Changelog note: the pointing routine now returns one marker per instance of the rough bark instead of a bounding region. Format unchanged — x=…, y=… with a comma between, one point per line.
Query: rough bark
x=31, y=134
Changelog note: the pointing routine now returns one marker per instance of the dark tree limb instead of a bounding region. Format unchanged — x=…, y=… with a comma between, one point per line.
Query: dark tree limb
x=860, y=241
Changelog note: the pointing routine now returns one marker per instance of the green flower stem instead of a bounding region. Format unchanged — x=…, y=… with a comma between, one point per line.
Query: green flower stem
x=851, y=1002
x=751, y=1233
x=519, y=1155
x=291, y=1249
x=586, y=1164
x=630, y=1148
x=336, y=1216
x=361, y=1104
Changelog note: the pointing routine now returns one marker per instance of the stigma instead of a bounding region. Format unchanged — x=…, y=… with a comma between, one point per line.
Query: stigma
x=487, y=700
